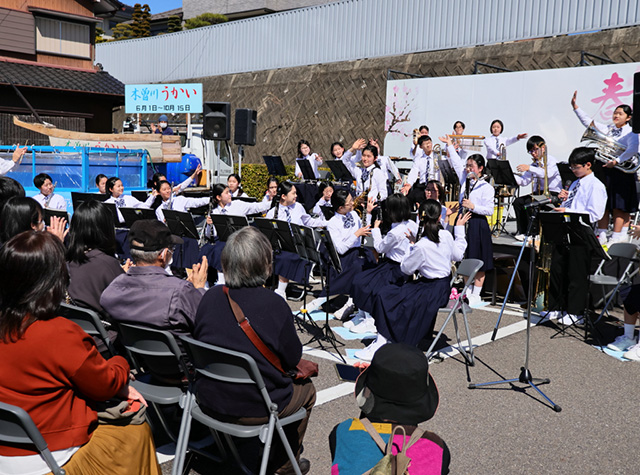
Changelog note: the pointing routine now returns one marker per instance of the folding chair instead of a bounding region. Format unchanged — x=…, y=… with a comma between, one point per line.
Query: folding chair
x=619, y=250
x=219, y=364
x=162, y=376
x=17, y=427
x=90, y=322
x=467, y=268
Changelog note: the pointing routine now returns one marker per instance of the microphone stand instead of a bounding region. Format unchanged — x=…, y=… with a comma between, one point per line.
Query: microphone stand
x=525, y=375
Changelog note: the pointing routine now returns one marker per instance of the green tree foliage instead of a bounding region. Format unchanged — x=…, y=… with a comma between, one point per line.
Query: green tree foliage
x=99, y=35
x=141, y=21
x=122, y=31
x=174, y=24
x=206, y=19
x=254, y=178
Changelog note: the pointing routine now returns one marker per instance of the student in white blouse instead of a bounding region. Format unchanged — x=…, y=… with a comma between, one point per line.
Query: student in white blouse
x=304, y=153
x=7, y=165
x=622, y=199
x=235, y=188
x=286, y=208
x=406, y=313
x=570, y=264
x=494, y=142
x=115, y=189
x=353, y=155
x=424, y=167
x=477, y=196
x=415, y=150
x=47, y=198
x=176, y=203
x=370, y=177
x=272, y=189
x=326, y=190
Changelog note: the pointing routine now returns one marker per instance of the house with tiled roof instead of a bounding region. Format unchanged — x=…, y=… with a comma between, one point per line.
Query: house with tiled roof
x=47, y=52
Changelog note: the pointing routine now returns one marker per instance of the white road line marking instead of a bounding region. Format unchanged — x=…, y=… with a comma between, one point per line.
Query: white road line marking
x=334, y=392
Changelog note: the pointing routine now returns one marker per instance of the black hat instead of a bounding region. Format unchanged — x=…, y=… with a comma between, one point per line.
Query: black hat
x=397, y=386
x=151, y=235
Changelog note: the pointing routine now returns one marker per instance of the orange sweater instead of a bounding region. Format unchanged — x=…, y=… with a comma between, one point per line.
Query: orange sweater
x=54, y=372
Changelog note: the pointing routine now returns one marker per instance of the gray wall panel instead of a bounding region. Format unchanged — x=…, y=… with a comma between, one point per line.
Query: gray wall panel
x=354, y=29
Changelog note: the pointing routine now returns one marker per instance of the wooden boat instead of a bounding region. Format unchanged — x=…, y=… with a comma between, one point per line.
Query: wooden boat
x=161, y=148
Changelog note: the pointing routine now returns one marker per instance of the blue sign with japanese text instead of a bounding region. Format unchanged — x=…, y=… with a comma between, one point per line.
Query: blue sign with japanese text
x=163, y=98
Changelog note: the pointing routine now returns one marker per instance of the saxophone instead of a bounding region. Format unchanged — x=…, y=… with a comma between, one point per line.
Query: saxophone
x=360, y=203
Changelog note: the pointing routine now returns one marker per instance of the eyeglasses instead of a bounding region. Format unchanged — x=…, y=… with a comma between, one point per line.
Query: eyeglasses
x=575, y=167
x=171, y=249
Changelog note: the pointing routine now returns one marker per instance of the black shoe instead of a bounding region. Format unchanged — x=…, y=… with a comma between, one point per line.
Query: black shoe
x=304, y=465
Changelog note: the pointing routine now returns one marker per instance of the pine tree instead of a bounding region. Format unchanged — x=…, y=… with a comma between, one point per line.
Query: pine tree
x=145, y=21
x=174, y=24
x=136, y=21
x=206, y=19
x=122, y=31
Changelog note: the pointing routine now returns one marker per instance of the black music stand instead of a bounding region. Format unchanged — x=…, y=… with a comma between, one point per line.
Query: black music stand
x=140, y=195
x=78, y=198
x=274, y=165
x=525, y=375
x=327, y=212
x=502, y=175
x=114, y=213
x=451, y=179
x=131, y=215
x=181, y=223
x=60, y=213
x=340, y=171
x=306, y=169
x=566, y=175
x=226, y=225
x=246, y=199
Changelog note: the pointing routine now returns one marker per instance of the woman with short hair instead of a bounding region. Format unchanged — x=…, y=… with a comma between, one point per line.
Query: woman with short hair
x=52, y=369
x=247, y=263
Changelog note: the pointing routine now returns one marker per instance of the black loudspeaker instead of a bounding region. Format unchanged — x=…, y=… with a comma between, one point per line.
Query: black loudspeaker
x=246, y=125
x=217, y=120
x=635, y=118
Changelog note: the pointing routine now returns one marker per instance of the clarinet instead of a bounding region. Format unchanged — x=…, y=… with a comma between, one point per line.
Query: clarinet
x=201, y=241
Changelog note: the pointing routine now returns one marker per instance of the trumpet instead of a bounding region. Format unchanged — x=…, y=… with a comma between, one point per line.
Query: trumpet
x=416, y=136
x=608, y=149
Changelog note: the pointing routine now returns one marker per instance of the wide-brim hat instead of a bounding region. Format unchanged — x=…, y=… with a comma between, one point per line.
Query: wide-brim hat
x=151, y=235
x=397, y=386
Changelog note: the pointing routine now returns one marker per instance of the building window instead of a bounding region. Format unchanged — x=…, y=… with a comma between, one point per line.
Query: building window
x=63, y=38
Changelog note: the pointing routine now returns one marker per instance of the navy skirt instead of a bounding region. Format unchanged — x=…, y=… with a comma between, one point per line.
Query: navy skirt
x=368, y=283
x=621, y=190
x=353, y=262
x=479, y=245
x=213, y=253
x=291, y=266
x=407, y=313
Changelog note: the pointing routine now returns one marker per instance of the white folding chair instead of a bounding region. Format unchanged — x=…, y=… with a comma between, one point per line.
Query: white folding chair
x=467, y=268
x=17, y=427
x=220, y=364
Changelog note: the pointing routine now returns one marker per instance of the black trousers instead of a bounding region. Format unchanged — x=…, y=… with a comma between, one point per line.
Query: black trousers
x=569, y=278
x=523, y=215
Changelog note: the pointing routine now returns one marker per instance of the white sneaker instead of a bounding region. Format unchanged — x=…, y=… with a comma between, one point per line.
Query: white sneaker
x=316, y=304
x=570, y=319
x=359, y=318
x=313, y=280
x=602, y=239
x=633, y=353
x=519, y=237
x=366, y=354
x=281, y=293
x=621, y=343
x=612, y=241
x=347, y=309
x=552, y=314
x=475, y=301
x=368, y=325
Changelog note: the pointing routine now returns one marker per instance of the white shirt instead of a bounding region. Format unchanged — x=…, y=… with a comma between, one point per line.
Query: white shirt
x=321, y=202
x=180, y=203
x=6, y=166
x=128, y=201
x=493, y=143
x=388, y=167
x=424, y=169
x=344, y=238
x=239, y=194
x=242, y=208
x=55, y=201
x=419, y=152
x=623, y=135
x=376, y=183
x=434, y=260
x=481, y=194
x=297, y=214
x=314, y=164
x=536, y=172
x=395, y=244
x=590, y=197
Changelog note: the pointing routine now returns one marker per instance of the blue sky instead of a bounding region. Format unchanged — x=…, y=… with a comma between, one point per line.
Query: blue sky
x=157, y=6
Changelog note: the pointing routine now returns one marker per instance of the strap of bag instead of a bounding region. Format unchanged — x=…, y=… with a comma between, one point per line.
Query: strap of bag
x=390, y=443
x=374, y=434
x=251, y=334
x=415, y=437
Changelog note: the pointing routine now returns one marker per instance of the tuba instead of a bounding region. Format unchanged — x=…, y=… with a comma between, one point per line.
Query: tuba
x=608, y=149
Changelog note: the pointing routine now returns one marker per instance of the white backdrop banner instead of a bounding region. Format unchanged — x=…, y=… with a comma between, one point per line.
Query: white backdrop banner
x=533, y=102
